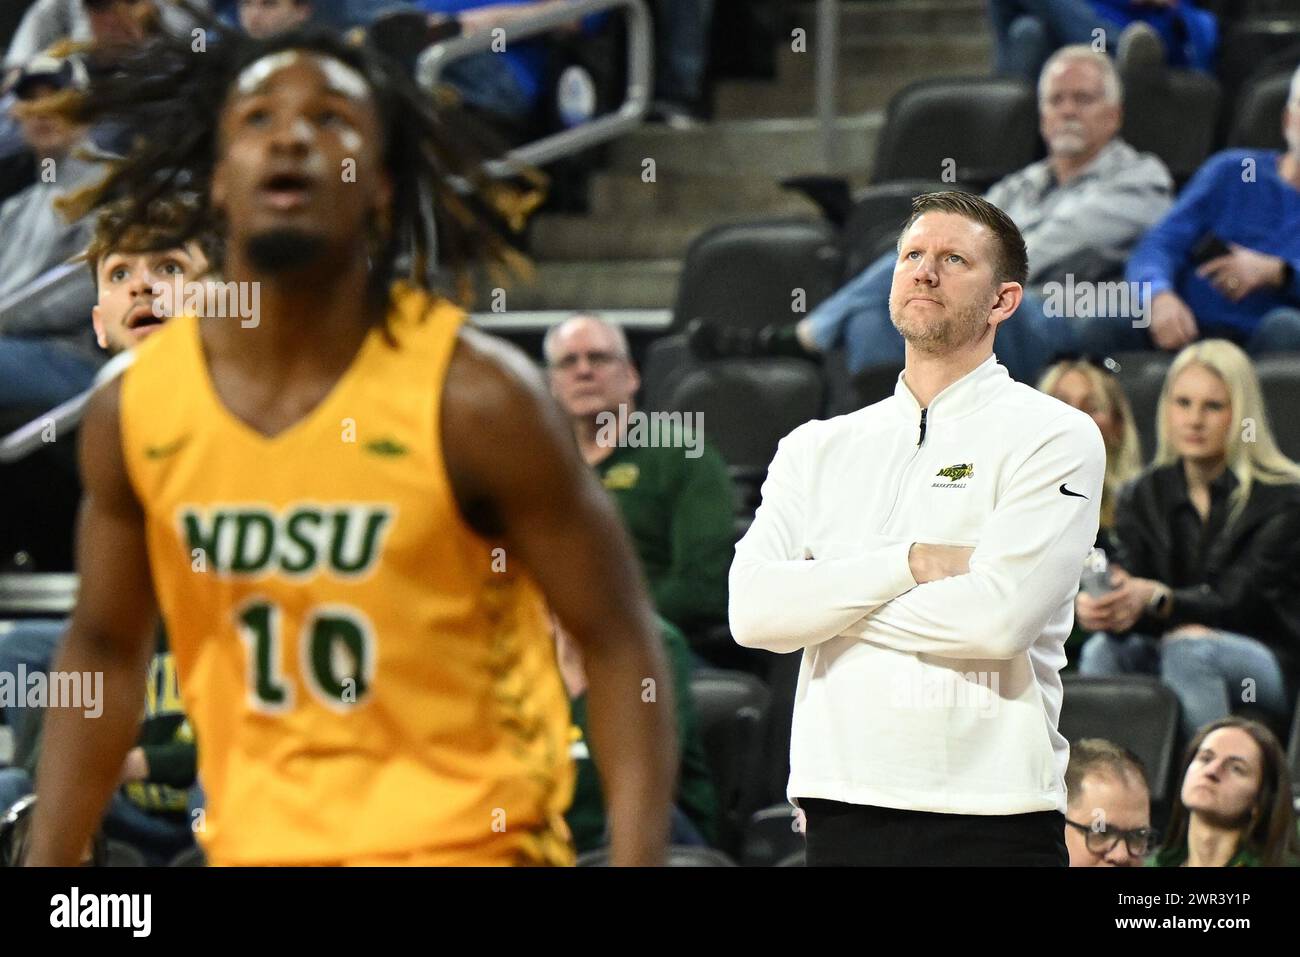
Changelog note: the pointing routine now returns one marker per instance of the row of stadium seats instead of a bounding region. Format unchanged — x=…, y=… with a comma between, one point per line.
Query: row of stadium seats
x=970, y=132
x=748, y=405
x=745, y=724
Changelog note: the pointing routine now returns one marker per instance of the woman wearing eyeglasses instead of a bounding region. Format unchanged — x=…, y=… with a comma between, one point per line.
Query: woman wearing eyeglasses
x=1206, y=573
x=1234, y=809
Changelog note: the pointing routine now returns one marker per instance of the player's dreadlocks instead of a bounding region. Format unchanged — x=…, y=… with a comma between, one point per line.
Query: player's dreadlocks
x=171, y=94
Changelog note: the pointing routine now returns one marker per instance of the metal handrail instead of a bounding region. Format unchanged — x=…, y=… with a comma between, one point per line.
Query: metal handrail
x=828, y=52
x=31, y=593
x=26, y=439
x=640, y=79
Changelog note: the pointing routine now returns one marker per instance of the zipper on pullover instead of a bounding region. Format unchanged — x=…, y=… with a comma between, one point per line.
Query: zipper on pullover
x=907, y=467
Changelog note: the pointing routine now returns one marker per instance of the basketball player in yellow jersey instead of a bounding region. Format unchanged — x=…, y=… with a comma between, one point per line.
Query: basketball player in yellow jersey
x=353, y=516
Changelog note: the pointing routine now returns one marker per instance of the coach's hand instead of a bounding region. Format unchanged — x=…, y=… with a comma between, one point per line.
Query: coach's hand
x=931, y=562
x=1172, y=323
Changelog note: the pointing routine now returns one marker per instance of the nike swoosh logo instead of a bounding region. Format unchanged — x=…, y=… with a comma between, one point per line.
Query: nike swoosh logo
x=162, y=451
x=386, y=447
x=1066, y=491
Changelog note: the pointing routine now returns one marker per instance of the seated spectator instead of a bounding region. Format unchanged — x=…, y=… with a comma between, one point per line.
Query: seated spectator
x=125, y=271
x=1222, y=263
x=1080, y=211
x=44, y=359
x=1108, y=810
x=695, y=814
x=122, y=22
x=675, y=495
x=1141, y=33
x=150, y=810
x=682, y=30
x=505, y=84
x=1207, y=549
x=67, y=26
x=1091, y=386
x=1234, y=806
x=263, y=18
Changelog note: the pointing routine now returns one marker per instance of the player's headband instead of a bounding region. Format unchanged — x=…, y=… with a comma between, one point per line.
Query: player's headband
x=340, y=77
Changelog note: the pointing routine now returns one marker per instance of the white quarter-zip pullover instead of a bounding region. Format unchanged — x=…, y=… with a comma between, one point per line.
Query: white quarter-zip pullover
x=943, y=696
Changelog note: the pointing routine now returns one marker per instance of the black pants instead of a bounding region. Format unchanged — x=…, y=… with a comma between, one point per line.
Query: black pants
x=840, y=835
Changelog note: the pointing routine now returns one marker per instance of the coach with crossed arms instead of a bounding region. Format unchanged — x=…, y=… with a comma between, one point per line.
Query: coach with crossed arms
x=924, y=554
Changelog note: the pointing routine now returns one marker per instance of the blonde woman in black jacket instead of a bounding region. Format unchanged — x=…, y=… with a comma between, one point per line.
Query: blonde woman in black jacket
x=1207, y=544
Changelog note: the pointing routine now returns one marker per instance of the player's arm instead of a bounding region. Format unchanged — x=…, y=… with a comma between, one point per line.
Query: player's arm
x=517, y=474
x=111, y=634
x=783, y=595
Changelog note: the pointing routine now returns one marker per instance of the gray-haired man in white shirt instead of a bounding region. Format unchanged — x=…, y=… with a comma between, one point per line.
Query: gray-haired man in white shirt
x=924, y=554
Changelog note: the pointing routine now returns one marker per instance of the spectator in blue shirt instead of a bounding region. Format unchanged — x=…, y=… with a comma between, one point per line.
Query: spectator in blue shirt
x=1222, y=263
x=1025, y=32
x=507, y=83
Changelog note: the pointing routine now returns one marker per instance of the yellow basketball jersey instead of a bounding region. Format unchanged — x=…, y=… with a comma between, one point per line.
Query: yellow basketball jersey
x=369, y=680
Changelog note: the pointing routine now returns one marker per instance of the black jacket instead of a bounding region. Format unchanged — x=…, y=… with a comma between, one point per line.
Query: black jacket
x=1250, y=577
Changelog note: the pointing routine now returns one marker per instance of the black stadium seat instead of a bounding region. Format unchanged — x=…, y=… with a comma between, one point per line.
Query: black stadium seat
x=876, y=219
x=749, y=273
x=987, y=127
x=730, y=707
x=1142, y=376
x=1257, y=120
x=1248, y=44
x=749, y=405
x=1279, y=380
x=771, y=836
x=1135, y=712
x=1175, y=117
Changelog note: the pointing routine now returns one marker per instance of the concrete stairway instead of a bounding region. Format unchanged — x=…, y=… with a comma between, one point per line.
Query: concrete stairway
x=627, y=252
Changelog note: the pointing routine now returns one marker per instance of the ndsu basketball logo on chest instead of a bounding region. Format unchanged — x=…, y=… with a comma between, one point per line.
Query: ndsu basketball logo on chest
x=297, y=541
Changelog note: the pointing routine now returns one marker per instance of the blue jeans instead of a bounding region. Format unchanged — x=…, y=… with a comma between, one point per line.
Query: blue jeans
x=856, y=318
x=36, y=372
x=1027, y=32
x=31, y=642
x=1277, y=331
x=158, y=837
x=486, y=81
x=681, y=49
x=1206, y=674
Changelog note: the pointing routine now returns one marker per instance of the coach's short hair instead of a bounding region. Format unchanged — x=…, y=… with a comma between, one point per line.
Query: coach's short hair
x=1111, y=84
x=1293, y=97
x=1099, y=756
x=1012, y=263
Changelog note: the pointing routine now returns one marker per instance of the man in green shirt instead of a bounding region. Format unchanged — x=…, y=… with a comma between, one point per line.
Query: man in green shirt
x=695, y=813
x=673, y=490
